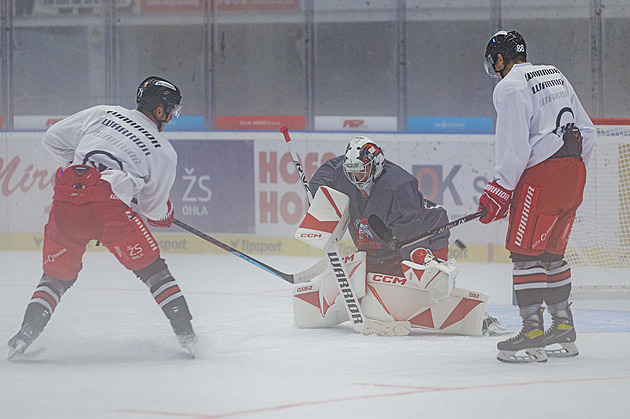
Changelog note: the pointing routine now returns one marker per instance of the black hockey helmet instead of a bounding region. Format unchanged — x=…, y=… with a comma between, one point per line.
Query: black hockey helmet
x=154, y=91
x=509, y=44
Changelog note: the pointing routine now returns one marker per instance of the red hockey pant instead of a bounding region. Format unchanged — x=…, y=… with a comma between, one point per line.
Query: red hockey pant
x=544, y=205
x=70, y=227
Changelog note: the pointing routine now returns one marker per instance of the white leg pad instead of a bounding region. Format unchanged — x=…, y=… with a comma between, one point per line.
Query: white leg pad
x=391, y=298
x=319, y=304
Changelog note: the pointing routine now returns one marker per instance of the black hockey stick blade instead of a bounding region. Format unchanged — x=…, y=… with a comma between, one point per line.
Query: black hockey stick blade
x=375, y=221
x=383, y=232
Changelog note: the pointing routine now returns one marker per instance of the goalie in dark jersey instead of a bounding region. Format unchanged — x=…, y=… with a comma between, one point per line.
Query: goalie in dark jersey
x=380, y=187
x=412, y=284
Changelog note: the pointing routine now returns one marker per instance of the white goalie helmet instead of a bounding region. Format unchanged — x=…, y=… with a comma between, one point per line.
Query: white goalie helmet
x=363, y=163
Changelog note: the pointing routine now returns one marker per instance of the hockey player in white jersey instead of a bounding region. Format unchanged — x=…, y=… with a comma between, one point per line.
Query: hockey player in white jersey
x=109, y=156
x=544, y=139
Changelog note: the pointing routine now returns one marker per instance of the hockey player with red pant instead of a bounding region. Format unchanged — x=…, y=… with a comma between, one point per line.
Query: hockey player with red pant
x=116, y=155
x=544, y=140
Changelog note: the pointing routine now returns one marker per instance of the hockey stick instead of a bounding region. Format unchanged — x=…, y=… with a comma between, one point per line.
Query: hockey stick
x=298, y=166
x=388, y=237
x=351, y=302
x=302, y=276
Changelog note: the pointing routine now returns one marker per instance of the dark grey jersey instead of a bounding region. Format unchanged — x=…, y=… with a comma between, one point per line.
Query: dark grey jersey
x=395, y=199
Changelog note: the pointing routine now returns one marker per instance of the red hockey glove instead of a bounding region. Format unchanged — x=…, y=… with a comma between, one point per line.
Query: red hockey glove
x=496, y=201
x=167, y=220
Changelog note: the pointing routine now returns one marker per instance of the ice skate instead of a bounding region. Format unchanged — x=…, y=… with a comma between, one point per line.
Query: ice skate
x=560, y=337
x=531, y=339
x=189, y=342
x=19, y=343
x=491, y=326
x=187, y=337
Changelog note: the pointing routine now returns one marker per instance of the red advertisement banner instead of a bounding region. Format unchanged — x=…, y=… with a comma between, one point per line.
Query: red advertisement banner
x=172, y=6
x=257, y=5
x=259, y=122
x=221, y=5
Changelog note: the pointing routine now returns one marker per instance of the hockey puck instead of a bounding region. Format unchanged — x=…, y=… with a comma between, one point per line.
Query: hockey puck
x=460, y=244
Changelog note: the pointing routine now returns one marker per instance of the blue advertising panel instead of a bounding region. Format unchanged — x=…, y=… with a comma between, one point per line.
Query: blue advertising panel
x=214, y=189
x=186, y=123
x=449, y=125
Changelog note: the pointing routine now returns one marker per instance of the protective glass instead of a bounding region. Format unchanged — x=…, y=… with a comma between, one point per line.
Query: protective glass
x=177, y=109
x=489, y=66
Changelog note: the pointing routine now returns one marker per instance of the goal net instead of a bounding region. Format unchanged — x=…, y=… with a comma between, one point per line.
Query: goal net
x=599, y=246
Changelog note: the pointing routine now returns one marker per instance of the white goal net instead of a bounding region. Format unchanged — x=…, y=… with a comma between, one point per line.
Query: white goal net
x=599, y=246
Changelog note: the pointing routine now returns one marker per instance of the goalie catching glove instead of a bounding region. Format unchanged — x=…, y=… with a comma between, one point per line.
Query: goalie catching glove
x=495, y=200
x=167, y=220
x=433, y=275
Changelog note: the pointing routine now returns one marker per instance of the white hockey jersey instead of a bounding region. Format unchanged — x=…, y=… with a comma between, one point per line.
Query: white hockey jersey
x=533, y=103
x=125, y=146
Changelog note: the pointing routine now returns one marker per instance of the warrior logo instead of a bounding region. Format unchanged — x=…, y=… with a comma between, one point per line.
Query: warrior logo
x=364, y=237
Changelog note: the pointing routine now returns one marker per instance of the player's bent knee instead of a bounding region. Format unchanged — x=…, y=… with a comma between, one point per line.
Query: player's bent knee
x=154, y=273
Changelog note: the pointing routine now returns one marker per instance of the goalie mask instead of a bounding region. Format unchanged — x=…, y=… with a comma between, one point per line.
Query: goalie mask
x=509, y=44
x=363, y=163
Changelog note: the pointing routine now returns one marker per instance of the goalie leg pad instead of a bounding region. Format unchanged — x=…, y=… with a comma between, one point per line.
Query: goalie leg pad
x=312, y=308
x=391, y=299
x=319, y=304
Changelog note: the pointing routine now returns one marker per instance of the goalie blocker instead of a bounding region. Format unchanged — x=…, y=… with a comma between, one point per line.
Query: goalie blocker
x=425, y=297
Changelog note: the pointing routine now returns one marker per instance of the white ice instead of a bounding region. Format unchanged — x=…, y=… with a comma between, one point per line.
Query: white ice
x=109, y=352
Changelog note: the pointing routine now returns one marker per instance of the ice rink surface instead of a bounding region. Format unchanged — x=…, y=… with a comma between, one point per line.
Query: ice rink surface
x=109, y=352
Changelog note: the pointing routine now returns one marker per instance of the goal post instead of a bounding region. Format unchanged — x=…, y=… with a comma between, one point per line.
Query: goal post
x=599, y=246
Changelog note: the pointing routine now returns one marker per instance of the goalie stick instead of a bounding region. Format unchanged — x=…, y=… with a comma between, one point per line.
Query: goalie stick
x=388, y=237
x=296, y=278
x=351, y=302
x=298, y=166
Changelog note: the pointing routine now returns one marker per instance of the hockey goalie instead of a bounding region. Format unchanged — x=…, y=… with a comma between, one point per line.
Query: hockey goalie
x=397, y=289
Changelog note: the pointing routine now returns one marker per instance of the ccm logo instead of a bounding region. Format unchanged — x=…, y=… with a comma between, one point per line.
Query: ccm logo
x=311, y=236
x=352, y=123
x=389, y=279
x=303, y=289
x=473, y=295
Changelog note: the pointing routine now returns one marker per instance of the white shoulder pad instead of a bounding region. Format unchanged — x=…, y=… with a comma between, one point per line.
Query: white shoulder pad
x=326, y=220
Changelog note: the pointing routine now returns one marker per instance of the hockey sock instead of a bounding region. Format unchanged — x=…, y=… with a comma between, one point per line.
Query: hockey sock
x=167, y=295
x=44, y=301
x=558, y=282
x=529, y=282
x=40, y=308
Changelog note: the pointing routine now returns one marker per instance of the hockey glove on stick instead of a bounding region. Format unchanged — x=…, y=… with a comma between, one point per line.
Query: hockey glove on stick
x=167, y=220
x=496, y=201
